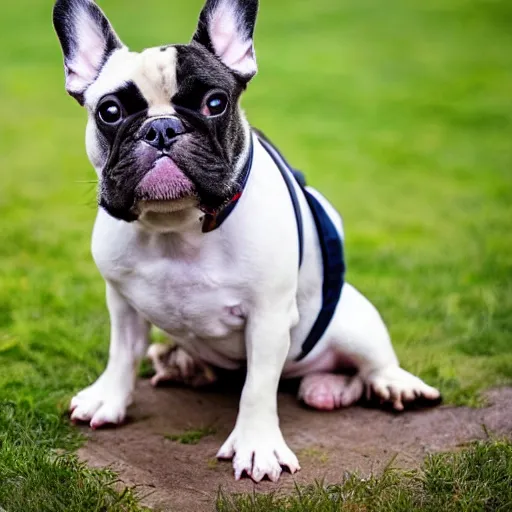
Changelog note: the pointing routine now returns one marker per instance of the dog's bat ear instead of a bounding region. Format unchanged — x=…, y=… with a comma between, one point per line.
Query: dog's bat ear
x=226, y=28
x=87, y=40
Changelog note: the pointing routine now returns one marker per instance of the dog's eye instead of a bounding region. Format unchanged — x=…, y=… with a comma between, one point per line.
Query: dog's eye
x=215, y=104
x=110, y=112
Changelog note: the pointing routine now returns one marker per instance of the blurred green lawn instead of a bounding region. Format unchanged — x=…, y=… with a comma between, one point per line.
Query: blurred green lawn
x=399, y=111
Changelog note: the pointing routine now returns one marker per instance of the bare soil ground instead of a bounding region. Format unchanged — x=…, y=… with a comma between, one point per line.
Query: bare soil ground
x=179, y=477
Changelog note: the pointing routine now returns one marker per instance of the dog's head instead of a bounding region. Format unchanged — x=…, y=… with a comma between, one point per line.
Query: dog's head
x=165, y=130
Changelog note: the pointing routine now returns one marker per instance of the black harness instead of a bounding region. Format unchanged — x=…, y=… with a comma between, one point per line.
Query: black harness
x=330, y=240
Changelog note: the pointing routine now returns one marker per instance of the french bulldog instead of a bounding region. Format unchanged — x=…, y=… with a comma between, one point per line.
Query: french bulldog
x=205, y=232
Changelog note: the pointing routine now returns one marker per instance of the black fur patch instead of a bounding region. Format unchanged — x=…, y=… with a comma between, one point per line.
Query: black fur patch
x=208, y=156
x=132, y=99
x=124, y=170
x=198, y=72
x=133, y=102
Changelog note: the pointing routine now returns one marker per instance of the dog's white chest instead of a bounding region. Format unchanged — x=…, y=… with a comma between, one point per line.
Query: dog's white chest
x=184, y=299
x=195, y=297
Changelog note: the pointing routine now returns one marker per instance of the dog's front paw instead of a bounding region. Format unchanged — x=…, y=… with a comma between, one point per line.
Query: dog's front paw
x=259, y=452
x=395, y=385
x=100, y=405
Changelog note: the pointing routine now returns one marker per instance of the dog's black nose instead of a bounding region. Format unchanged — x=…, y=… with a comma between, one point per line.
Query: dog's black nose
x=162, y=132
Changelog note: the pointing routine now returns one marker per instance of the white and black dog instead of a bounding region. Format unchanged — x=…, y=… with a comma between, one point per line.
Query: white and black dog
x=205, y=232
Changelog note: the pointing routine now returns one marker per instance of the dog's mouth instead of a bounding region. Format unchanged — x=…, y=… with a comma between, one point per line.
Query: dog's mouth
x=165, y=189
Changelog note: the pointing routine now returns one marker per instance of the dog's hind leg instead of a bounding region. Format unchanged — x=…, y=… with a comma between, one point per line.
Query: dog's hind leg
x=360, y=336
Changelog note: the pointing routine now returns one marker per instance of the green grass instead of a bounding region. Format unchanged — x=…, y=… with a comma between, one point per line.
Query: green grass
x=400, y=111
x=476, y=479
x=39, y=473
x=192, y=435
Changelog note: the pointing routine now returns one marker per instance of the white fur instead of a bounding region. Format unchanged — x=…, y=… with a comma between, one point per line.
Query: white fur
x=230, y=295
x=156, y=79
x=230, y=43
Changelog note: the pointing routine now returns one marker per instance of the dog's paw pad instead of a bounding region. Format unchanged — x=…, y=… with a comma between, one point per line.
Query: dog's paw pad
x=327, y=391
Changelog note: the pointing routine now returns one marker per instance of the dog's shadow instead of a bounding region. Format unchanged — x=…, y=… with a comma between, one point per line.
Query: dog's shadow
x=231, y=382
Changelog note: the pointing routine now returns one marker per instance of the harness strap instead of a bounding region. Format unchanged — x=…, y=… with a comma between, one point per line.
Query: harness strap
x=334, y=272
x=330, y=244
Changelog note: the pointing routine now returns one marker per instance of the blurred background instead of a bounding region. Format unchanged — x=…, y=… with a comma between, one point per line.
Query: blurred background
x=398, y=111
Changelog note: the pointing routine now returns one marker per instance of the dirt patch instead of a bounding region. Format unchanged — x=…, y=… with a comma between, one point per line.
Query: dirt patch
x=186, y=477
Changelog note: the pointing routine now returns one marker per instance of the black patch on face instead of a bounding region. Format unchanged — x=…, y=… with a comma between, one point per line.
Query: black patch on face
x=209, y=154
x=131, y=98
x=132, y=102
x=123, y=170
